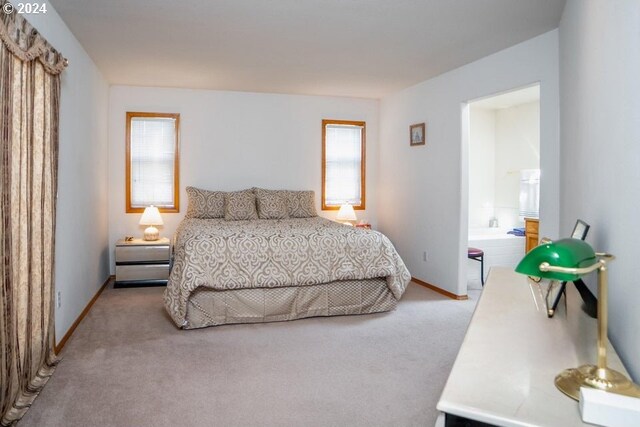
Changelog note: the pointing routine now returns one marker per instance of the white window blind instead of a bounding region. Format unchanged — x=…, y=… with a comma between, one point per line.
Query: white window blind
x=343, y=164
x=153, y=154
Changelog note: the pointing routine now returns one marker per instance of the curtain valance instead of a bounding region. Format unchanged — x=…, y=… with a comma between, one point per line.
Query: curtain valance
x=25, y=42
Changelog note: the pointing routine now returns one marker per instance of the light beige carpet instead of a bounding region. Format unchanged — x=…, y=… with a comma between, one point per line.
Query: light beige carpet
x=128, y=365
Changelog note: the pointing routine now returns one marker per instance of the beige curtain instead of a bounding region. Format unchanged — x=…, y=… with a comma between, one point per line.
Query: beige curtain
x=29, y=107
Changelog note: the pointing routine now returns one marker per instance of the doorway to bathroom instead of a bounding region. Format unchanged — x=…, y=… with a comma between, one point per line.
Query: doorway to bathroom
x=504, y=178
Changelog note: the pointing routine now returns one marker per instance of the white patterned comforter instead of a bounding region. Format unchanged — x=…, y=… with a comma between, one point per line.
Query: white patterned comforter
x=225, y=255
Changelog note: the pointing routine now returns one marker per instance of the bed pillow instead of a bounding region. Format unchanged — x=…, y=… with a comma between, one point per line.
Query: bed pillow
x=240, y=205
x=272, y=204
x=302, y=204
x=204, y=203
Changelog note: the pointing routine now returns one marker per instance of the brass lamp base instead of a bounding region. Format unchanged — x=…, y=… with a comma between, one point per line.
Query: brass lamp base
x=569, y=381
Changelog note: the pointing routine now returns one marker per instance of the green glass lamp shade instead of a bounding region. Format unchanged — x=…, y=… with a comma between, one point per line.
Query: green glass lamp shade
x=568, y=253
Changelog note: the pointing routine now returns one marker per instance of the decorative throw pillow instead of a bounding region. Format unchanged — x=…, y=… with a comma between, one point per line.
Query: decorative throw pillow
x=272, y=204
x=302, y=204
x=204, y=203
x=240, y=205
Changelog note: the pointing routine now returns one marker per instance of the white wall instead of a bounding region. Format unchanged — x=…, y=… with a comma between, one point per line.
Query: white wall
x=81, y=225
x=482, y=171
x=600, y=109
x=429, y=184
x=502, y=141
x=517, y=148
x=237, y=140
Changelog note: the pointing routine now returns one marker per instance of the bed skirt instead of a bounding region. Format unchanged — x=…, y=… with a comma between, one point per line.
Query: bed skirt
x=210, y=307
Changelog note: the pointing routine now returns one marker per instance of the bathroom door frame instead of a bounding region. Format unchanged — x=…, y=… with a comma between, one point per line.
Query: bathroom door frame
x=549, y=169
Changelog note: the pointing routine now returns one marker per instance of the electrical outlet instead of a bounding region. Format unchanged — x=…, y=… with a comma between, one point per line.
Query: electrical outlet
x=425, y=256
x=58, y=299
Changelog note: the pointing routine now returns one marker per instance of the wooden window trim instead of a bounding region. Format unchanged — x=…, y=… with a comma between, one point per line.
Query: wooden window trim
x=176, y=165
x=362, y=205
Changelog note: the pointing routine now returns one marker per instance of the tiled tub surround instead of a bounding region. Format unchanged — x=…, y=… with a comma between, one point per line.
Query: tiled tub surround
x=500, y=249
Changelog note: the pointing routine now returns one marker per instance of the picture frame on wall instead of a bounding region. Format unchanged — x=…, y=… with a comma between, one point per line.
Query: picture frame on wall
x=417, y=134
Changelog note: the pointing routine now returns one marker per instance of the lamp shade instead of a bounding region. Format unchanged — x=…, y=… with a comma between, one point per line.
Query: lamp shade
x=567, y=253
x=346, y=213
x=151, y=216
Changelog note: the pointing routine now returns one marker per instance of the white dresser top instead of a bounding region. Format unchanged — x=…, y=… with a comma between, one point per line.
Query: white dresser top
x=504, y=373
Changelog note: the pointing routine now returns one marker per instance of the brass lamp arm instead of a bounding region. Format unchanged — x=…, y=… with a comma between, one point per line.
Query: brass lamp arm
x=604, y=258
x=545, y=266
x=607, y=256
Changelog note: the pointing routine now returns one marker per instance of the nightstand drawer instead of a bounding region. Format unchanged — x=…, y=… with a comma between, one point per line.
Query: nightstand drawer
x=126, y=273
x=139, y=253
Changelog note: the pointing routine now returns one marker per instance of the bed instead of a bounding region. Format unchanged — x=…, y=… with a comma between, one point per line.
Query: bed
x=257, y=269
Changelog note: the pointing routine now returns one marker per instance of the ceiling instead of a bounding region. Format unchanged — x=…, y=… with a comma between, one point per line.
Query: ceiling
x=361, y=48
x=509, y=99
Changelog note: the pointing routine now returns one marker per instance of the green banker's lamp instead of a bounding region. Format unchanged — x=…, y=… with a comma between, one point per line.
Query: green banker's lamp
x=567, y=260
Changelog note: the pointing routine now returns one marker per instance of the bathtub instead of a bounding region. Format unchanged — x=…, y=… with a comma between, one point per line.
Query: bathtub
x=500, y=249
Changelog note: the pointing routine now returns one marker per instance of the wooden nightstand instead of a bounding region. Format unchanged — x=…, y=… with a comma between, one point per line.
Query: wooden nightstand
x=142, y=262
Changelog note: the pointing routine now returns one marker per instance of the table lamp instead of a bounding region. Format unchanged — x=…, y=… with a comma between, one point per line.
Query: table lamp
x=568, y=260
x=346, y=214
x=151, y=217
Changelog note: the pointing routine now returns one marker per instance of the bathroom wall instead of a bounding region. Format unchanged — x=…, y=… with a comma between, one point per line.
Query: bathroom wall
x=482, y=141
x=517, y=147
x=502, y=142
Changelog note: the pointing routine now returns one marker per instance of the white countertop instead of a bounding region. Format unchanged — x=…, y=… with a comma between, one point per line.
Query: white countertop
x=504, y=373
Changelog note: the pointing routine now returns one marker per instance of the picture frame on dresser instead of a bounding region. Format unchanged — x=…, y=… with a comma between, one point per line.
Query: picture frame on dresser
x=580, y=231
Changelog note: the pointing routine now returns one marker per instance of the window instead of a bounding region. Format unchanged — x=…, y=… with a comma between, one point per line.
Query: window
x=152, y=161
x=343, y=164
